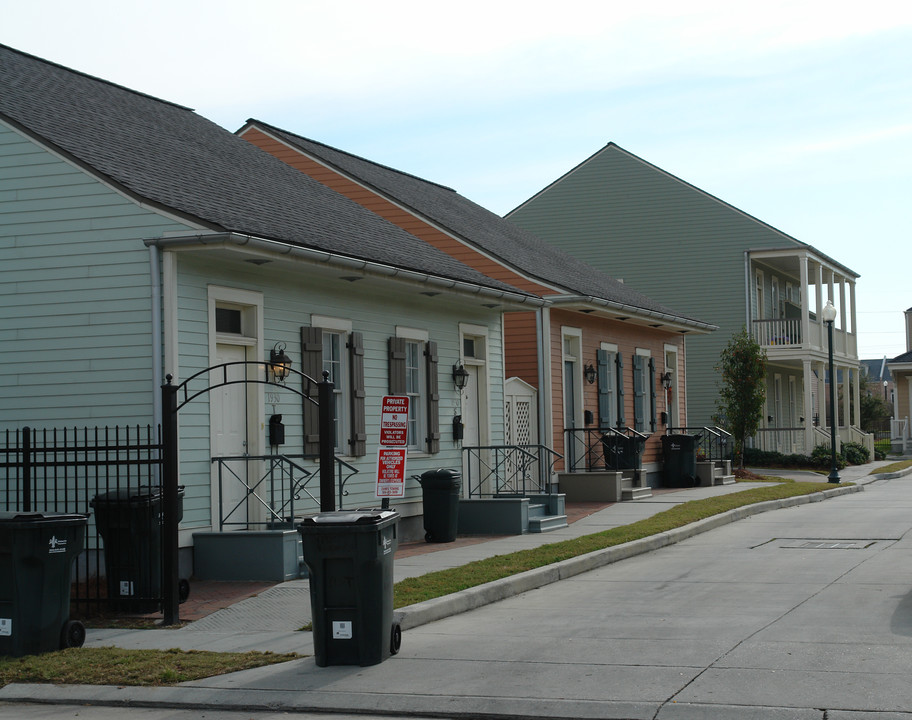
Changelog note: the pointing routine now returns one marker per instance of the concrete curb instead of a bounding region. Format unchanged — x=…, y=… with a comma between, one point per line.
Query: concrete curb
x=439, y=608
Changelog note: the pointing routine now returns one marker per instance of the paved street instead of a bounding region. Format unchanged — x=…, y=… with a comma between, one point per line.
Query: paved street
x=804, y=612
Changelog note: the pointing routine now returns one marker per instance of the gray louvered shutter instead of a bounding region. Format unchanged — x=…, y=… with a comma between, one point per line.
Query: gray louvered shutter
x=652, y=394
x=433, y=398
x=638, y=393
x=604, y=395
x=312, y=366
x=358, y=440
x=619, y=377
x=397, y=366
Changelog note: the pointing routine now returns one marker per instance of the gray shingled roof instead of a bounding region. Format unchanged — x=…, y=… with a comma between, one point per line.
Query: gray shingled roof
x=172, y=158
x=478, y=227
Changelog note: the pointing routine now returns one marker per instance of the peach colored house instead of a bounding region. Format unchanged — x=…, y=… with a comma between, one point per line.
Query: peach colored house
x=599, y=361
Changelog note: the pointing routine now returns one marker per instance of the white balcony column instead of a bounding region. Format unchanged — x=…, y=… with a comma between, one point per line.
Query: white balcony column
x=856, y=394
x=852, y=309
x=844, y=315
x=805, y=303
x=808, y=388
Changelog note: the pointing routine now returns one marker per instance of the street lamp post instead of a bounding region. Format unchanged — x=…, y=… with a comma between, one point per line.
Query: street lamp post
x=829, y=317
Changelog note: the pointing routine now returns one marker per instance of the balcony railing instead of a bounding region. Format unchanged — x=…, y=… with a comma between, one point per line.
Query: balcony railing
x=599, y=449
x=788, y=441
x=523, y=470
x=774, y=333
x=275, y=488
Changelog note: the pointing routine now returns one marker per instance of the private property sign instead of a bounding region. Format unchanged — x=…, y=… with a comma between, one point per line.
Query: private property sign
x=393, y=447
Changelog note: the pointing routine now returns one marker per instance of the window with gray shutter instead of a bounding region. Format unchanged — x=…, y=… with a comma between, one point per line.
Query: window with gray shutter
x=358, y=436
x=619, y=375
x=312, y=366
x=433, y=398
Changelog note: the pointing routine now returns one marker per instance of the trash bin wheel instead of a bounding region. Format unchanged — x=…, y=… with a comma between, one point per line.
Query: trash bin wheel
x=73, y=634
x=395, y=639
x=428, y=537
x=183, y=590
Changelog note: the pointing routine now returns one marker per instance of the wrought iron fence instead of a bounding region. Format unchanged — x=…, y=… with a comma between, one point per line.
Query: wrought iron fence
x=74, y=470
x=523, y=470
x=713, y=443
x=595, y=449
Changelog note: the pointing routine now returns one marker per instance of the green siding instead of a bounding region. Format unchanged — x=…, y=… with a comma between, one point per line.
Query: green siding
x=290, y=298
x=663, y=237
x=74, y=295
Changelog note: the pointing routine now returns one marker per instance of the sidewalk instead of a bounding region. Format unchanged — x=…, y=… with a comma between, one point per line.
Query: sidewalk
x=269, y=617
x=602, y=644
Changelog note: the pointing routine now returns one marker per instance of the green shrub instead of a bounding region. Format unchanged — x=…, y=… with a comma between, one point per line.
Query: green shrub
x=855, y=454
x=822, y=457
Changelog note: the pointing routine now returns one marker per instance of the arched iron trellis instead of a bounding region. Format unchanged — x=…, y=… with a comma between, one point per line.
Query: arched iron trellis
x=175, y=397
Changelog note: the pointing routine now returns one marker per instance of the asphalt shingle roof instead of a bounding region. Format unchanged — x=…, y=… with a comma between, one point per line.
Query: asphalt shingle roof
x=171, y=157
x=477, y=226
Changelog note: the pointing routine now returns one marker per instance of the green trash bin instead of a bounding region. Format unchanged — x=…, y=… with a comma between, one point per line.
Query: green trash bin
x=129, y=521
x=349, y=556
x=37, y=552
x=679, y=455
x=440, y=504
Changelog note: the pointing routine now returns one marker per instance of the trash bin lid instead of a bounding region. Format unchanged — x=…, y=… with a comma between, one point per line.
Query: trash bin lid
x=358, y=517
x=17, y=518
x=144, y=494
x=440, y=479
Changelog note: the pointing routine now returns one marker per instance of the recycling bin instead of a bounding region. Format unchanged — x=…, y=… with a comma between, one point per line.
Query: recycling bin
x=623, y=452
x=679, y=453
x=37, y=552
x=349, y=557
x=440, y=501
x=129, y=521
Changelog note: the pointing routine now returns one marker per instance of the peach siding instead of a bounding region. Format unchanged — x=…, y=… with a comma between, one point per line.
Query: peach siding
x=520, y=347
x=385, y=209
x=628, y=338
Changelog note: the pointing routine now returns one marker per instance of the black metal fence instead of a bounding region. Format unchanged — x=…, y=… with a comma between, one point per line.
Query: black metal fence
x=84, y=470
x=599, y=449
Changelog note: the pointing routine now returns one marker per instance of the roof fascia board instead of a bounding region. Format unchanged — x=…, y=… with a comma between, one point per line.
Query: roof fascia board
x=672, y=320
x=406, y=208
x=108, y=182
x=262, y=247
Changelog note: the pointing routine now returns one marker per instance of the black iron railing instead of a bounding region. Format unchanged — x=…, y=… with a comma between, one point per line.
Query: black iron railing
x=600, y=449
x=493, y=470
x=274, y=489
x=713, y=443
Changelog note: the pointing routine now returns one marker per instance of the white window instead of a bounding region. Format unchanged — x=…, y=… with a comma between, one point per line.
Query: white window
x=334, y=364
x=414, y=354
x=641, y=389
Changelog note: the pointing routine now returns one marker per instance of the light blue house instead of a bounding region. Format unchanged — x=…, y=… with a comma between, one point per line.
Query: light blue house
x=139, y=240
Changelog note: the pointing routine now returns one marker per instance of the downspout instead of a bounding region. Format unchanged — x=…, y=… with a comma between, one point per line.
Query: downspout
x=156, y=316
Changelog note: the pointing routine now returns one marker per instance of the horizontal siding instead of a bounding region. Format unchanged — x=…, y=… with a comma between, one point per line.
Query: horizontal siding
x=290, y=300
x=663, y=237
x=74, y=295
x=396, y=215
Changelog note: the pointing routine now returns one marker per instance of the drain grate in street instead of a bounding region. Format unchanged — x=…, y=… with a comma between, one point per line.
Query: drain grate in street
x=826, y=544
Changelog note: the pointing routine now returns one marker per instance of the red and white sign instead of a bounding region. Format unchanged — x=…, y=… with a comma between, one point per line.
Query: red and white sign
x=391, y=472
x=394, y=421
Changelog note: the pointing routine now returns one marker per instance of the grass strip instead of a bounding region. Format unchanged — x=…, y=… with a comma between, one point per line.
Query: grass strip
x=444, y=582
x=892, y=467
x=115, y=666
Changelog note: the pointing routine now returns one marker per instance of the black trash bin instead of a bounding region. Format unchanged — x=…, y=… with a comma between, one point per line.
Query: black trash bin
x=129, y=521
x=623, y=452
x=440, y=501
x=679, y=454
x=349, y=556
x=37, y=552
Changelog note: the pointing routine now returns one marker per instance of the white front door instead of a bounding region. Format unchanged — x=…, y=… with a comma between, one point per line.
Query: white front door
x=228, y=412
x=474, y=435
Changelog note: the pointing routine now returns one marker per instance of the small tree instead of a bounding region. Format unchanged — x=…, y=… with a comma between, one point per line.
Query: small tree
x=742, y=390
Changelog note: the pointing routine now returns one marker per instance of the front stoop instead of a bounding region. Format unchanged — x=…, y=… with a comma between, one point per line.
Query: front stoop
x=717, y=472
x=540, y=521
x=633, y=485
x=512, y=515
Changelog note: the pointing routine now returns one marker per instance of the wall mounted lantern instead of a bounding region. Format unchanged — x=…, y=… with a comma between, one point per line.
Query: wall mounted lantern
x=460, y=376
x=590, y=374
x=279, y=362
x=666, y=380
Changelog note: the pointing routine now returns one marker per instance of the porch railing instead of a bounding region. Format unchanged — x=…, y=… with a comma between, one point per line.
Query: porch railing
x=523, y=470
x=713, y=443
x=600, y=449
x=276, y=489
x=788, y=441
x=784, y=331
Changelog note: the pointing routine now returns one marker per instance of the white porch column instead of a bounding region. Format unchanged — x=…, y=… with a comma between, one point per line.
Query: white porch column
x=805, y=315
x=856, y=394
x=808, y=407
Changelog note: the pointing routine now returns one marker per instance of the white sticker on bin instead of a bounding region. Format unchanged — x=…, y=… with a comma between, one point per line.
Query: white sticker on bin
x=6, y=627
x=342, y=630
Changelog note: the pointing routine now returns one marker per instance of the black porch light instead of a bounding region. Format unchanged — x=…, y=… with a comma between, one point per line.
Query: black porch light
x=280, y=362
x=666, y=380
x=460, y=376
x=590, y=374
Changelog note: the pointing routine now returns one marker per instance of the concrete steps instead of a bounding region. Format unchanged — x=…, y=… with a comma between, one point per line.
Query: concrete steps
x=541, y=521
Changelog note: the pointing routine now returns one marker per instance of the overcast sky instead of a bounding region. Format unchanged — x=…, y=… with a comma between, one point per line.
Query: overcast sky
x=797, y=112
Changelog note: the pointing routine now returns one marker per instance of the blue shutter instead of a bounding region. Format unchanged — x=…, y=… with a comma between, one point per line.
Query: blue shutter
x=619, y=376
x=652, y=394
x=604, y=397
